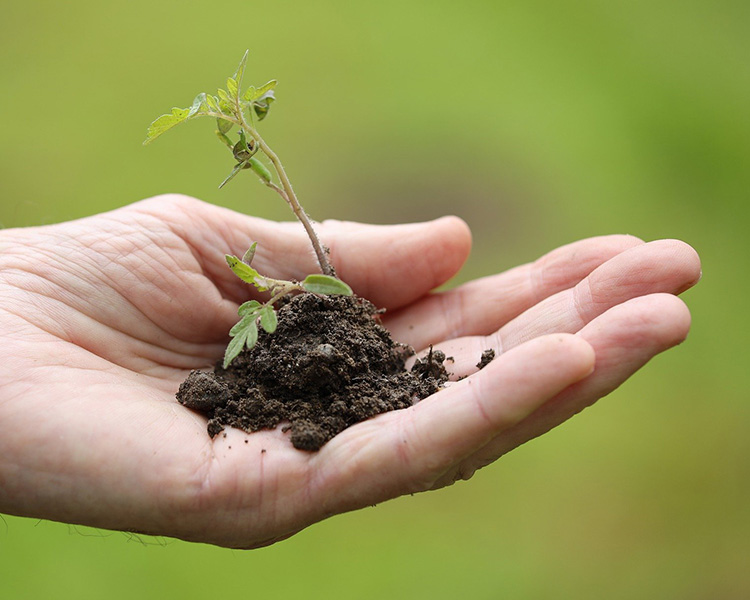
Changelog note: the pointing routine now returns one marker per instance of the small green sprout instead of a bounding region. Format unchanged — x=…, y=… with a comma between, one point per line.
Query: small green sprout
x=232, y=107
x=245, y=333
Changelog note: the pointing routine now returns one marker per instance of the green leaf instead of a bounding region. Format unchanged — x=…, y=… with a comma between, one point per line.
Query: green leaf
x=253, y=94
x=198, y=103
x=244, y=335
x=241, y=325
x=249, y=307
x=243, y=271
x=165, y=123
x=262, y=105
x=213, y=103
x=242, y=152
x=234, y=347
x=232, y=87
x=326, y=285
x=237, y=168
x=226, y=141
x=251, y=336
x=223, y=125
x=268, y=319
x=249, y=94
x=247, y=258
x=241, y=69
x=265, y=88
x=225, y=102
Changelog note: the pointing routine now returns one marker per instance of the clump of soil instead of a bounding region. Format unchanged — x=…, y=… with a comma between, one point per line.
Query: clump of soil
x=487, y=357
x=328, y=365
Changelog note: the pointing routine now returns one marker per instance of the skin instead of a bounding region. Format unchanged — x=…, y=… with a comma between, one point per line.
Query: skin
x=103, y=317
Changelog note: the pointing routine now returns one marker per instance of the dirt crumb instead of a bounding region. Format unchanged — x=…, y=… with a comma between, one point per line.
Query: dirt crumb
x=487, y=357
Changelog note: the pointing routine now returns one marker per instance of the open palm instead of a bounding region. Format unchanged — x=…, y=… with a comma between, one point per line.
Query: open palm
x=103, y=317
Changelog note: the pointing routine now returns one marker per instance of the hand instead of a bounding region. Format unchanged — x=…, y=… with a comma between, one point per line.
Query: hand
x=103, y=317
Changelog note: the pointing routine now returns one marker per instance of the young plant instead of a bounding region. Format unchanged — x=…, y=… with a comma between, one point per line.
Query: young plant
x=232, y=108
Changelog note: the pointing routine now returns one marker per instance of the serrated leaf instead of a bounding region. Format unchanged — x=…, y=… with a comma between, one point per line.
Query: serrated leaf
x=241, y=325
x=232, y=87
x=251, y=336
x=326, y=285
x=268, y=319
x=244, y=335
x=225, y=103
x=165, y=123
x=198, y=103
x=241, y=69
x=243, y=271
x=266, y=87
x=249, y=307
x=213, y=103
x=253, y=94
x=234, y=348
x=247, y=258
x=249, y=94
x=223, y=125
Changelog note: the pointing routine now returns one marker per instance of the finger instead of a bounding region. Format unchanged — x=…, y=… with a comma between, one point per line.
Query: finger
x=407, y=451
x=665, y=266
x=482, y=306
x=624, y=339
x=391, y=265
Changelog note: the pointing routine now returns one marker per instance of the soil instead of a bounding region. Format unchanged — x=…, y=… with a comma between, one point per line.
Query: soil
x=487, y=357
x=329, y=365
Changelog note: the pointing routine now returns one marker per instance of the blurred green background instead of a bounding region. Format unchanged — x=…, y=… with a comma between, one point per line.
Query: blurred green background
x=539, y=122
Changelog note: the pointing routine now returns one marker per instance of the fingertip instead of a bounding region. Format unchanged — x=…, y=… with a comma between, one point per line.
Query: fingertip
x=566, y=354
x=450, y=245
x=581, y=354
x=458, y=234
x=641, y=328
x=670, y=319
x=392, y=265
x=669, y=266
x=689, y=260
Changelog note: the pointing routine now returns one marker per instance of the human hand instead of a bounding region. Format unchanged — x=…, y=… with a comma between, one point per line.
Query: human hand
x=103, y=317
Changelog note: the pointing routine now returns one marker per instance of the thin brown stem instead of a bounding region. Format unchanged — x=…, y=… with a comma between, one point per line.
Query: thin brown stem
x=287, y=192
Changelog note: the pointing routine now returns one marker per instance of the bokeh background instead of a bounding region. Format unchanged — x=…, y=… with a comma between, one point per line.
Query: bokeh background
x=537, y=121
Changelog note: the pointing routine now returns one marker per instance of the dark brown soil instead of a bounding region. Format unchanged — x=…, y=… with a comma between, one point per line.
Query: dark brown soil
x=328, y=365
x=487, y=357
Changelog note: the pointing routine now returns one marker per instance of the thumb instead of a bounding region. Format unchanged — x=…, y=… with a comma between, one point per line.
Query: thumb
x=393, y=265
x=390, y=265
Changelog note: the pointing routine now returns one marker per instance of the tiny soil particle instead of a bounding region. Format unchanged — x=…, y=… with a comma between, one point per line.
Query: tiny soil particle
x=328, y=365
x=487, y=357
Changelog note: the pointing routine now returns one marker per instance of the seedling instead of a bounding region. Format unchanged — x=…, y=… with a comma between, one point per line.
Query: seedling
x=232, y=108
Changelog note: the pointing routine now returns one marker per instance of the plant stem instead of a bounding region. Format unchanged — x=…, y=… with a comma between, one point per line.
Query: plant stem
x=287, y=193
x=296, y=207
